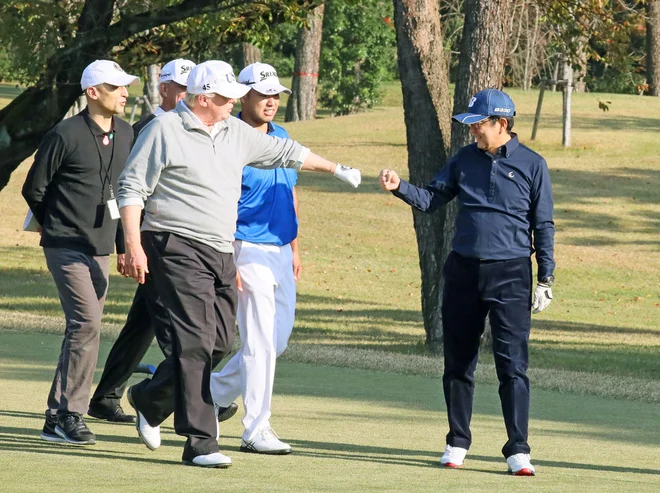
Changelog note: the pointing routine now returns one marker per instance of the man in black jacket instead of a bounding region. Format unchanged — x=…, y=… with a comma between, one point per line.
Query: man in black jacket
x=71, y=192
x=145, y=315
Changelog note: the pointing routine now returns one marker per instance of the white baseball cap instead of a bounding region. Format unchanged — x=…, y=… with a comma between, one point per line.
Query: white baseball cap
x=108, y=72
x=177, y=70
x=262, y=78
x=215, y=76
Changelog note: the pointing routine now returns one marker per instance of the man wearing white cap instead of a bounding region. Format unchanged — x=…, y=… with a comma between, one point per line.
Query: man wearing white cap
x=172, y=89
x=268, y=264
x=70, y=189
x=146, y=314
x=185, y=171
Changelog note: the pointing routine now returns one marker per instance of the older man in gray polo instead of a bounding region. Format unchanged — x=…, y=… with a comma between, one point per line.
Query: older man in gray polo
x=185, y=170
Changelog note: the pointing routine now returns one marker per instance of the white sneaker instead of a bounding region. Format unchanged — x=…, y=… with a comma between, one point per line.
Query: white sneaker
x=266, y=442
x=210, y=460
x=520, y=465
x=453, y=457
x=150, y=435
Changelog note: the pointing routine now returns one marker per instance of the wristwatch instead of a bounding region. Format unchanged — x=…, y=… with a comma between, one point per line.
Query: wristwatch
x=548, y=280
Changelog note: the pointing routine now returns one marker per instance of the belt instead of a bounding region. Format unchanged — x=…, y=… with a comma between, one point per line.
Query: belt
x=478, y=260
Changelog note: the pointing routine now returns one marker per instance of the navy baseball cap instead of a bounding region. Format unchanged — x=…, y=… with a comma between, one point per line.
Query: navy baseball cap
x=489, y=102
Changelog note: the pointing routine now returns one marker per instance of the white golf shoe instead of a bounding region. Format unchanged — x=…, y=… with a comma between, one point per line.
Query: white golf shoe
x=150, y=435
x=453, y=457
x=520, y=465
x=266, y=442
x=210, y=460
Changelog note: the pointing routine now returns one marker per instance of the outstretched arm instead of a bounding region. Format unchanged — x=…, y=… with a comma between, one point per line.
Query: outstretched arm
x=441, y=190
x=314, y=162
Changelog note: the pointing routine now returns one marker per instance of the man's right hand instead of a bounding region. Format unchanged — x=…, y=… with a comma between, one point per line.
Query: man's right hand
x=136, y=263
x=239, y=282
x=352, y=176
x=389, y=180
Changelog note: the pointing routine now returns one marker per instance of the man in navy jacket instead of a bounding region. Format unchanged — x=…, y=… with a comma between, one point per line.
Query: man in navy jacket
x=505, y=214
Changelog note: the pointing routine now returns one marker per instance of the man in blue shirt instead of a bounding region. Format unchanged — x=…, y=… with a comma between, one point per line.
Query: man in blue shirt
x=505, y=214
x=267, y=264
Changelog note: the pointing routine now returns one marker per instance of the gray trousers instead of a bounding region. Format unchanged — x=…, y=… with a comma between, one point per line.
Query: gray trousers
x=82, y=283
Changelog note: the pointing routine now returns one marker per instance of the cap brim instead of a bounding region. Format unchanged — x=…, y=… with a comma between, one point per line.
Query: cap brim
x=469, y=118
x=270, y=89
x=182, y=81
x=233, y=90
x=123, y=80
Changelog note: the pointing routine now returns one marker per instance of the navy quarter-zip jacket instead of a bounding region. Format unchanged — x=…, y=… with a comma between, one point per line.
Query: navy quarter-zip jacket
x=505, y=203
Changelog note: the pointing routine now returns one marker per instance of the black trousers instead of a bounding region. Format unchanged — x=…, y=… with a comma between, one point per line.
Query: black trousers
x=502, y=290
x=145, y=317
x=197, y=286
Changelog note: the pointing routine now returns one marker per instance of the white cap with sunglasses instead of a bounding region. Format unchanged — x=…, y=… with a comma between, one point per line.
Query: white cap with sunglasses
x=263, y=79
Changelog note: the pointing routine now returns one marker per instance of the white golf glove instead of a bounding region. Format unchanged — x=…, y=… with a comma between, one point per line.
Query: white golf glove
x=542, y=297
x=350, y=175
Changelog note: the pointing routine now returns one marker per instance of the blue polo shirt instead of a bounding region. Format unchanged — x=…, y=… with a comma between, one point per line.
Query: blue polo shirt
x=505, y=203
x=266, y=212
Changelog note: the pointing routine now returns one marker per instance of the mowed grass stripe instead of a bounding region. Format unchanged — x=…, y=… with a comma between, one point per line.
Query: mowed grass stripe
x=352, y=430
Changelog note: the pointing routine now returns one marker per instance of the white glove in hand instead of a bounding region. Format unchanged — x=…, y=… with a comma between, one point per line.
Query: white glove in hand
x=542, y=297
x=350, y=175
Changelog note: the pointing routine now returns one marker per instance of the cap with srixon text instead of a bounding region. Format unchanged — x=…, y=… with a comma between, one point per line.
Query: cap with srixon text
x=177, y=70
x=489, y=102
x=106, y=72
x=217, y=77
x=262, y=78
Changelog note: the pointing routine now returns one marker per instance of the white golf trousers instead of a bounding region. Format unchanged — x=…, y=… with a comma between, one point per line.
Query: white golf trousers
x=265, y=315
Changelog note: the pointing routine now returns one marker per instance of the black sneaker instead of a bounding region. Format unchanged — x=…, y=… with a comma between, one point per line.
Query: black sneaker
x=224, y=413
x=48, y=432
x=72, y=429
x=117, y=415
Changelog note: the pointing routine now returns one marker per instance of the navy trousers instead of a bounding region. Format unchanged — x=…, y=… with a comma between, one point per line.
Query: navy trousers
x=502, y=290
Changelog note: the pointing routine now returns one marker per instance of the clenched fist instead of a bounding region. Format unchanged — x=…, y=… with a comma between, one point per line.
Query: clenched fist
x=389, y=180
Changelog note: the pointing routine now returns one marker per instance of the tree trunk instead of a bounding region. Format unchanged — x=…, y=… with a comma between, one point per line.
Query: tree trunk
x=151, y=91
x=566, y=104
x=247, y=55
x=427, y=113
x=79, y=105
x=25, y=120
x=653, y=46
x=579, y=76
x=302, y=102
x=481, y=65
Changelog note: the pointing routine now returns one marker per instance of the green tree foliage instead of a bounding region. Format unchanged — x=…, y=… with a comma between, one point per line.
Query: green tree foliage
x=33, y=31
x=607, y=35
x=617, y=58
x=358, y=52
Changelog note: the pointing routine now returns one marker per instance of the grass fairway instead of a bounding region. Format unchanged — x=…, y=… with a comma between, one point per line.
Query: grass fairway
x=356, y=394
x=352, y=430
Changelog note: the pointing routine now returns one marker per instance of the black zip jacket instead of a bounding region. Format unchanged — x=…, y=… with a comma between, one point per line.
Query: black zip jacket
x=69, y=184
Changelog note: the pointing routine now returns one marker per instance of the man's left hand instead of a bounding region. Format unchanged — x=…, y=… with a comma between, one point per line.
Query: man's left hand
x=121, y=264
x=542, y=297
x=297, y=266
x=350, y=175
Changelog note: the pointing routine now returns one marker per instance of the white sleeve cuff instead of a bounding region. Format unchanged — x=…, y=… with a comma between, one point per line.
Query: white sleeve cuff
x=304, y=152
x=131, y=201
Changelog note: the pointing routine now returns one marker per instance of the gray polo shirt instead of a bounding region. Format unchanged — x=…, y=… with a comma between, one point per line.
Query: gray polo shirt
x=189, y=182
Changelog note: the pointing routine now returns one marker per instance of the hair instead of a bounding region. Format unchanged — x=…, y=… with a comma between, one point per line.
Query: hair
x=191, y=99
x=509, y=121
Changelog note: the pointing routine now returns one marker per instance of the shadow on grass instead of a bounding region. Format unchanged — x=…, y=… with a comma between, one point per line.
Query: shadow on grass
x=34, y=445
x=568, y=465
x=8, y=91
x=582, y=328
x=601, y=122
